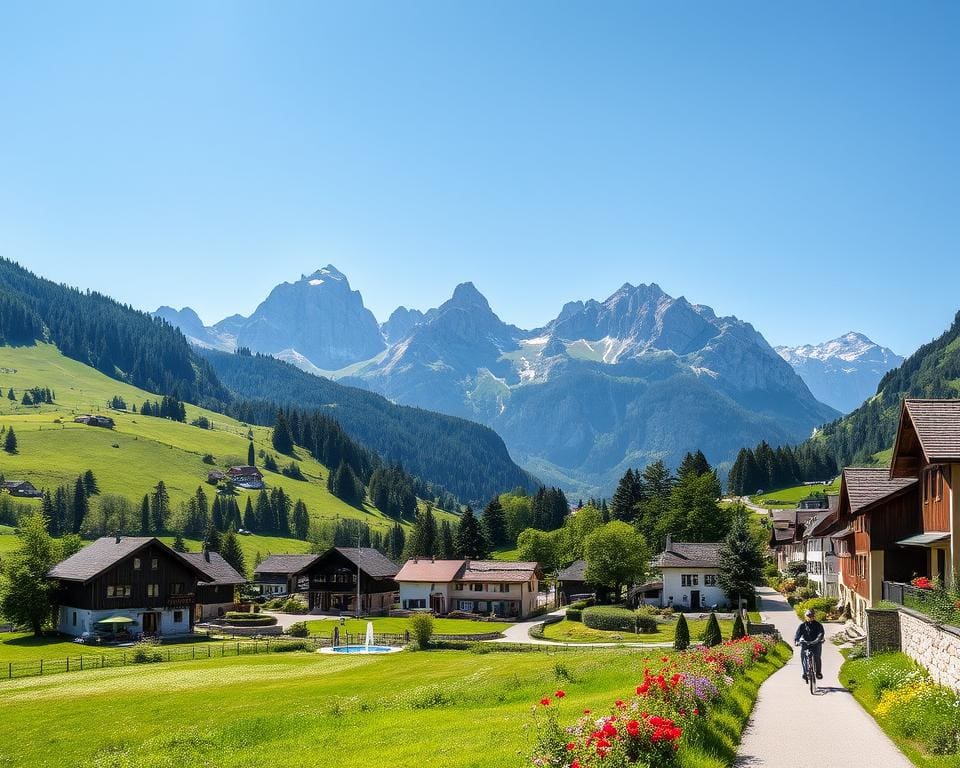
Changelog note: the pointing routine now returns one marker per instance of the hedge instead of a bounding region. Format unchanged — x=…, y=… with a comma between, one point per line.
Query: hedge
x=821, y=606
x=574, y=614
x=618, y=619
x=238, y=619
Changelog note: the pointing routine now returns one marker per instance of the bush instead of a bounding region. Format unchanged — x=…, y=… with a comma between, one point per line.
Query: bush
x=738, y=629
x=294, y=605
x=681, y=637
x=298, y=629
x=822, y=607
x=287, y=646
x=421, y=627
x=711, y=635
x=209, y=459
x=146, y=653
x=239, y=619
x=613, y=619
x=796, y=568
x=574, y=614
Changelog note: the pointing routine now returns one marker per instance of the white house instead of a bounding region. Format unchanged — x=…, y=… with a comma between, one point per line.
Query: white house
x=821, y=554
x=500, y=587
x=691, y=574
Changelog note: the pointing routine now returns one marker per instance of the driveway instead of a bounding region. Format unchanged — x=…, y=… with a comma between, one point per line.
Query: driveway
x=790, y=728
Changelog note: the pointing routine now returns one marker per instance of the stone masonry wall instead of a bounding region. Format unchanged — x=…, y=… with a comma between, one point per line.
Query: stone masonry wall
x=883, y=631
x=936, y=648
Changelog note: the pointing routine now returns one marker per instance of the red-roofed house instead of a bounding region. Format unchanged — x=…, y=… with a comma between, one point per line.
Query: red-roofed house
x=499, y=587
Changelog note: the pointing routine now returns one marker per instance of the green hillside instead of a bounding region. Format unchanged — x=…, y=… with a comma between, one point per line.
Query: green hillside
x=140, y=450
x=790, y=497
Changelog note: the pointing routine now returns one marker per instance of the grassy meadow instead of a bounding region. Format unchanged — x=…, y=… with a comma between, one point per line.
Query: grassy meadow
x=458, y=709
x=397, y=625
x=790, y=497
x=577, y=632
x=140, y=450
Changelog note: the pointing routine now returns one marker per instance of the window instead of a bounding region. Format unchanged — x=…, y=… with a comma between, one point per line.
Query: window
x=121, y=590
x=504, y=587
x=476, y=587
x=689, y=579
x=709, y=580
x=178, y=617
x=414, y=604
x=458, y=586
x=176, y=588
x=154, y=564
x=153, y=590
x=74, y=618
x=136, y=563
x=465, y=605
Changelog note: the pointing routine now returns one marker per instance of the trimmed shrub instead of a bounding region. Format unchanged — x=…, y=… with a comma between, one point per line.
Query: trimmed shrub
x=738, y=629
x=614, y=619
x=574, y=614
x=238, y=619
x=711, y=635
x=681, y=637
x=421, y=627
x=298, y=629
x=822, y=607
x=294, y=605
x=289, y=646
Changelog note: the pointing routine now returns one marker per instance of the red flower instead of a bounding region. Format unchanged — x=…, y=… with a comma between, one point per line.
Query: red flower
x=575, y=763
x=571, y=746
x=545, y=701
x=560, y=694
x=633, y=728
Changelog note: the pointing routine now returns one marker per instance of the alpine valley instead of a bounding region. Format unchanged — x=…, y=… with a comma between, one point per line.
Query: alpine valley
x=604, y=386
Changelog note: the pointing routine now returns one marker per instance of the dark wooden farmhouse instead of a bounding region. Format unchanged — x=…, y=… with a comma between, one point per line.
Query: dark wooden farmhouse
x=21, y=488
x=332, y=581
x=218, y=595
x=245, y=477
x=278, y=575
x=137, y=578
x=572, y=583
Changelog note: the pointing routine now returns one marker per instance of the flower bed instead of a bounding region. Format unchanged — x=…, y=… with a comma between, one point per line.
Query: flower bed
x=667, y=709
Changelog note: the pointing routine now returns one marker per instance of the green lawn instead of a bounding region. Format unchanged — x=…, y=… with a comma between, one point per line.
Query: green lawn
x=399, y=625
x=8, y=542
x=140, y=450
x=23, y=646
x=790, y=497
x=450, y=708
x=577, y=632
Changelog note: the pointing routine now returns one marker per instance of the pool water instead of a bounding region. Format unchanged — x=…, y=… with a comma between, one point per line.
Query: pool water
x=363, y=649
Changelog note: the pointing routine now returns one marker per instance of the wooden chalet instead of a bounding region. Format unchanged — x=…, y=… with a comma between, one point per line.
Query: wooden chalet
x=927, y=449
x=138, y=580
x=279, y=575
x=219, y=594
x=332, y=581
x=95, y=420
x=23, y=489
x=572, y=583
x=245, y=477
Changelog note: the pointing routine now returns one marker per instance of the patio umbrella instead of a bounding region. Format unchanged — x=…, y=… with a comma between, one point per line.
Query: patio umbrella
x=116, y=620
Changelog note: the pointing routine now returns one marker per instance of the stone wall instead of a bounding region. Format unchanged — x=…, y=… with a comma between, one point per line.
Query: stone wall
x=883, y=631
x=936, y=648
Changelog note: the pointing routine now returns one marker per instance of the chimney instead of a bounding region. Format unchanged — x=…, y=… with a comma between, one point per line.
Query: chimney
x=118, y=538
x=669, y=543
x=206, y=555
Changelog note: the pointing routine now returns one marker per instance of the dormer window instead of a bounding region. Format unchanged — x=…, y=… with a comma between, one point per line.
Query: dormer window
x=136, y=563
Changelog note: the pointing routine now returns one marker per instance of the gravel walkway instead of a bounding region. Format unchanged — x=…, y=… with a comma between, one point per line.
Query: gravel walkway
x=790, y=728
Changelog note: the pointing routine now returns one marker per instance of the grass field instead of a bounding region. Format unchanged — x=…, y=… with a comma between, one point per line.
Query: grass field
x=451, y=708
x=789, y=497
x=140, y=450
x=577, y=632
x=399, y=625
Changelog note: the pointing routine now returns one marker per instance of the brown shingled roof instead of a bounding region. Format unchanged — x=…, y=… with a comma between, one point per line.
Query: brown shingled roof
x=937, y=424
x=576, y=571
x=219, y=570
x=288, y=564
x=371, y=561
x=866, y=485
x=106, y=552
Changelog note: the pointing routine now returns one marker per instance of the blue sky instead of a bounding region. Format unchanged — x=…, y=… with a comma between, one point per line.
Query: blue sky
x=796, y=165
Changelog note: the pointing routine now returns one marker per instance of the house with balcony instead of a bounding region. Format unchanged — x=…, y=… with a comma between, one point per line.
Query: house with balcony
x=875, y=514
x=280, y=575
x=499, y=587
x=137, y=581
x=336, y=578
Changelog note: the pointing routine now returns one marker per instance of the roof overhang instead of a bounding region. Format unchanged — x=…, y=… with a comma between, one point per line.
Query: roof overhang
x=924, y=539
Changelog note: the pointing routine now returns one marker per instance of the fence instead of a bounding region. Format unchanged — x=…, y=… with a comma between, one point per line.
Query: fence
x=154, y=654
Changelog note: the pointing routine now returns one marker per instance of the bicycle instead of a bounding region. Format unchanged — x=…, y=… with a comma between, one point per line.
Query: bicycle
x=809, y=664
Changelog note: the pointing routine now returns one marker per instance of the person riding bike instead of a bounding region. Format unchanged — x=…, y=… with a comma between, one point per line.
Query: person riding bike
x=811, y=634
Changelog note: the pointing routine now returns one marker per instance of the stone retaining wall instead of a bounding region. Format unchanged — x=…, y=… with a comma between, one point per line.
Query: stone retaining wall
x=883, y=631
x=935, y=647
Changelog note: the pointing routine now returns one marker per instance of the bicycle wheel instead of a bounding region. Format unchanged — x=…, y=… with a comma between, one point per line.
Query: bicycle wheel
x=812, y=675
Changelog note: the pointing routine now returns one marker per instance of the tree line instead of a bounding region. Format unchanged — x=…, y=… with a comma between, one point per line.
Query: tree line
x=766, y=468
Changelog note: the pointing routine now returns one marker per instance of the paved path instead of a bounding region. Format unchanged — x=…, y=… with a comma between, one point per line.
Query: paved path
x=790, y=728
x=520, y=633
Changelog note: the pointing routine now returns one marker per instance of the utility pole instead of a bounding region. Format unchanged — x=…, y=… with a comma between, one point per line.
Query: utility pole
x=359, y=551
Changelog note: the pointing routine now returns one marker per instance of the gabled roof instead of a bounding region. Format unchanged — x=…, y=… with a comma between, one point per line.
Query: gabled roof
x=421, y=569
x=444, y=571
x=371, y=561
x=820, y=525
x=106, y=552
x=576, y=571
x=933, y=427
x=863, y=487
x=218, y=569
x=289, y=564
x=680, y=554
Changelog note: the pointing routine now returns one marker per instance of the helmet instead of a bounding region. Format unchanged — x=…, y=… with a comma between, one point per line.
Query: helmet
x=808, y=614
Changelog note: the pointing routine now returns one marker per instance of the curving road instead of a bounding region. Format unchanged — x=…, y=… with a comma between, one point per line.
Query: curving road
x=790, y=728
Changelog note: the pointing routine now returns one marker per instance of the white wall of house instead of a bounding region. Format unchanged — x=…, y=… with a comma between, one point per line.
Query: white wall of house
x=680, y=583
x=822, y=566
x=481, y=600
x=422, y=590
x=76, y=621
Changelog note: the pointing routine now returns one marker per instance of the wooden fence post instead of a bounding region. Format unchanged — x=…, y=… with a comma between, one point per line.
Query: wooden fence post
x=41, y=667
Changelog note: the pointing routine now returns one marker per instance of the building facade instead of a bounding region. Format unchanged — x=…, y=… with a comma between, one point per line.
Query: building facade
x=690, y=575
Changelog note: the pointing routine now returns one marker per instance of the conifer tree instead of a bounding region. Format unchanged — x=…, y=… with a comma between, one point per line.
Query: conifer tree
x=681, y=637
x=145, y=521
x=10, y=394
x=217, y=521
x=711, y=635
x=396, y=542
x=282, y=439
x=448, y=549
x=90, y=483
x=301, y=520
x=470, y=541
x=625, y=498
x=231, y=552
x=49, y=513
x=10, y=441
x=738, y=629
x=80, y=505
x=264, y=513
x=249, y=516
x=160, y=507
x=251, y=455
x=741, y=562
x=423, y=539
x=494, y=523
x=179, y=545
x=212, y=540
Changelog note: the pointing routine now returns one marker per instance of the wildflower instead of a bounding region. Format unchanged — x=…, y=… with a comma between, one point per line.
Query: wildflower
x=560, y=694
x=545, y=701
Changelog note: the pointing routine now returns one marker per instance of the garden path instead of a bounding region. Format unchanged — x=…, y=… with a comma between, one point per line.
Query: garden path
x=520, y=633
x=790, y=728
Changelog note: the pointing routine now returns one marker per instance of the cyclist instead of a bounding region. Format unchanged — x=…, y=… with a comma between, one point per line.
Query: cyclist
x=810, y=633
